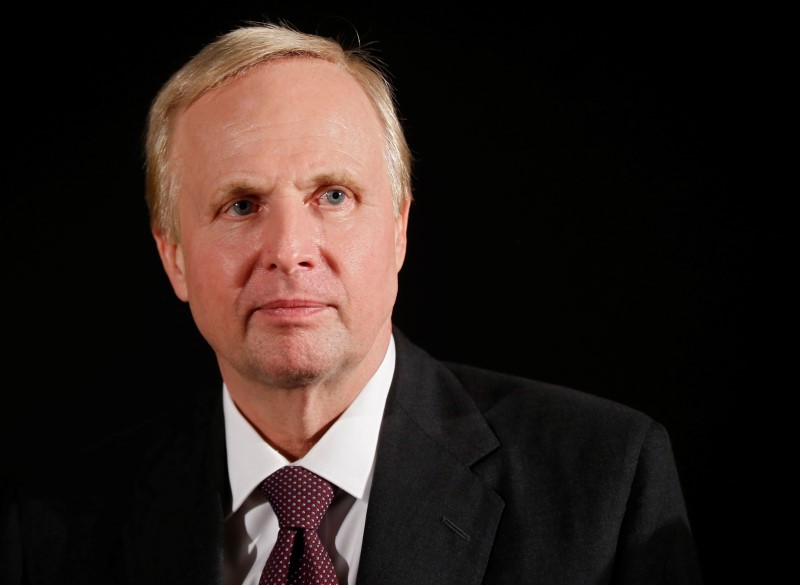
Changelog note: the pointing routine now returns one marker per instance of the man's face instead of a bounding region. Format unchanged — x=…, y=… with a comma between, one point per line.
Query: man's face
x=289, y=248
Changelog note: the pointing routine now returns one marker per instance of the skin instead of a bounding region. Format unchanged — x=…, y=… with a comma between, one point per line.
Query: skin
x=290, y=250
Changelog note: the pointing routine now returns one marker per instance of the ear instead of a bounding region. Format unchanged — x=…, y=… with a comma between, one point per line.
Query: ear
x=400, y=229
x=171, y=255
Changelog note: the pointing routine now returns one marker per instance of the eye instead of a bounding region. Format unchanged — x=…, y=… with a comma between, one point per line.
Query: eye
x=243, y=207
x=334, y=197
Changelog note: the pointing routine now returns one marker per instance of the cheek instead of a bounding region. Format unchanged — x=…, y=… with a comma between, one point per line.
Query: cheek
x=370, y=261
x=214, y=271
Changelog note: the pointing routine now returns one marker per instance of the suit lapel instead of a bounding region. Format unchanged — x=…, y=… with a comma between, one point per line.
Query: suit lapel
x=430, y=519
x=175, y=529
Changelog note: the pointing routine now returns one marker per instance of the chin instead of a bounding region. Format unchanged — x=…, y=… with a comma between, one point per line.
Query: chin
x=292, y=368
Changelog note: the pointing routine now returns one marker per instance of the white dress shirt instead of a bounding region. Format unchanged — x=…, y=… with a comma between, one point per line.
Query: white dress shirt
x=344, y=456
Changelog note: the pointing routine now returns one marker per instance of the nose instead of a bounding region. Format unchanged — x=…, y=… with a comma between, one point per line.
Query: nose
x=289, y=239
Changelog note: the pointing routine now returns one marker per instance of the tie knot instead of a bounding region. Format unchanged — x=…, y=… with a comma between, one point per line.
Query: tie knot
x=299, y=497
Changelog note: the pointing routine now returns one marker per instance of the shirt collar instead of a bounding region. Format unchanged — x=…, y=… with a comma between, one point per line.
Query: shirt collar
x=344, y=455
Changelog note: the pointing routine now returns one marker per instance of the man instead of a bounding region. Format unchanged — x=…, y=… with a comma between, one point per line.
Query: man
x=278, y=181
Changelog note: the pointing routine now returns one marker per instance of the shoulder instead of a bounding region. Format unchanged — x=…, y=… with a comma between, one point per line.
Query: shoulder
x=530, y=416
x=570, y=444
x=525, y=410
x=78, y=512
x=504, y=395
x=112, y=468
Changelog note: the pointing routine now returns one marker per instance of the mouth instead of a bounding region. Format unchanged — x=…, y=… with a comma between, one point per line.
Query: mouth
x=292, y=308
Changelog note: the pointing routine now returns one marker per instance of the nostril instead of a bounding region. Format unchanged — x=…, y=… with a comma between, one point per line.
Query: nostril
x=290, y=266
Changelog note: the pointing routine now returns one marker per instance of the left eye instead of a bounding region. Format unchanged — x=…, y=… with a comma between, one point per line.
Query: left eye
x=335, y=196
x=243, y=207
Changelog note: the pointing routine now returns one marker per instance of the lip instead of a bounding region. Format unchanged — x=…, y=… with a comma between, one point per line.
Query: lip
x=292, y=307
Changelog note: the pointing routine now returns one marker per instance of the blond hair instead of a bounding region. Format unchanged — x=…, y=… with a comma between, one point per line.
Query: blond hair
x=230, y=56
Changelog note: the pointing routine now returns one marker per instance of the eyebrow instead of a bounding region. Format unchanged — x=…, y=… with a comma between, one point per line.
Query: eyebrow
x=338, y=178
x=241, y=187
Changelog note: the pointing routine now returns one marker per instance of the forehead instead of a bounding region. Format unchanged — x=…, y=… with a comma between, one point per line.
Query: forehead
x=284, y=98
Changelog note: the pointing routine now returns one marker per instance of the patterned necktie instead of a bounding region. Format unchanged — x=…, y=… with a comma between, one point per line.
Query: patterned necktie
x=300, y=499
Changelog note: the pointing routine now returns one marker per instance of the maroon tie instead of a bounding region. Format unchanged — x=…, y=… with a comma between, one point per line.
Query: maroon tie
x=300, y=499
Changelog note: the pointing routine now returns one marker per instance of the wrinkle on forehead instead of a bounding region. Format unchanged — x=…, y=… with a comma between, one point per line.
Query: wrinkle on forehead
x=297, y=111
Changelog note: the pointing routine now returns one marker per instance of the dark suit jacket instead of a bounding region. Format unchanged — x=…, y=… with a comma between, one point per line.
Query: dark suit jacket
x=480, y=477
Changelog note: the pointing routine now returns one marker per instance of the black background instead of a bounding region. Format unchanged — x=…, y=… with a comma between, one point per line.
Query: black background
x=586, y=214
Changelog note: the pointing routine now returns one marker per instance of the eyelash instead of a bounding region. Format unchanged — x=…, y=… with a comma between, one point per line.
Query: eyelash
x=325, y=195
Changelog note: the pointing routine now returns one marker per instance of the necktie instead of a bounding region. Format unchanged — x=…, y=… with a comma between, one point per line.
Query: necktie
x=300, y=499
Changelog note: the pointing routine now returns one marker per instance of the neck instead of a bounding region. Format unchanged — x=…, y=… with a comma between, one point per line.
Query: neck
x=293, y=419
